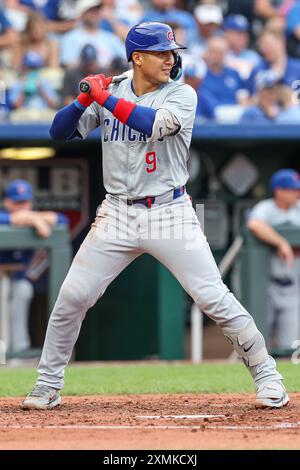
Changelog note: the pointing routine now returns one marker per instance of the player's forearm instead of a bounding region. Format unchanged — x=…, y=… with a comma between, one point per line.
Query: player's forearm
x=139, y=118
x=65, y=121
x=23, y=218
x=265, y=232
x=52, y=218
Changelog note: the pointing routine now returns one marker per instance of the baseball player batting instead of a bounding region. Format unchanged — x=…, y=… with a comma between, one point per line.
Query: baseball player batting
x=146, y=128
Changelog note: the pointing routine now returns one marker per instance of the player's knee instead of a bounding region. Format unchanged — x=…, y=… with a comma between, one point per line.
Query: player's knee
x=210, y=300
x=75, y=296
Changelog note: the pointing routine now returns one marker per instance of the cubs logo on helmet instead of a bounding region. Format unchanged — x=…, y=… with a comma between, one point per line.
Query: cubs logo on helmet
x=152, y=36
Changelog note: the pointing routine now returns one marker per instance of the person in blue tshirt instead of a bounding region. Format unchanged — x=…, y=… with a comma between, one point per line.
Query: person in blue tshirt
x=240, y=57
x=266, y=110
x=17, y=211
x=221, y=84
x=273, y=49
x=194, y=74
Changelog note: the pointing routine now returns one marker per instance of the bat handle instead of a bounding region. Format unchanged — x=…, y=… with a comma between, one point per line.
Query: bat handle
x=85, y=86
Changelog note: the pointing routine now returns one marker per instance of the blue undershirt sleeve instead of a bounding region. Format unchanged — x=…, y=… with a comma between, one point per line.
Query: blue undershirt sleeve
x=141, y=119
x=65, y=122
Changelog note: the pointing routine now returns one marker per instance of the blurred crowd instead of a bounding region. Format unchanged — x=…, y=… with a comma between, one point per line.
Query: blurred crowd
x=243, y=56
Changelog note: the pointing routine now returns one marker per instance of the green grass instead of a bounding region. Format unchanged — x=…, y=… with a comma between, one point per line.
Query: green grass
x=141, y=378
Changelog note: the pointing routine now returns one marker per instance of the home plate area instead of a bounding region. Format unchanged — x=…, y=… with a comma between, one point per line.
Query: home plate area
x=171, y=421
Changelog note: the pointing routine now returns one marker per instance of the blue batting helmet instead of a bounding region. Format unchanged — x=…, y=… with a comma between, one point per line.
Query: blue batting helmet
x=152, y=36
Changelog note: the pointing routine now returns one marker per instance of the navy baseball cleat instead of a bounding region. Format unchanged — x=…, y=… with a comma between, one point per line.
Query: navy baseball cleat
x=271, y=395
x=42, y=397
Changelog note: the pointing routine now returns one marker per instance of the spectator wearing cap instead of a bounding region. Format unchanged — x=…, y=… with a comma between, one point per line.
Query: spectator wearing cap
x=284, y=286
x=107, y=45
x=274, y=57
x=87, y=66
x=240, y=58
x=266, y=110
x=221, y=84
x=209, y=19
x=18, y=203
x=31, y=90
x=34, y=39
x=165, y=11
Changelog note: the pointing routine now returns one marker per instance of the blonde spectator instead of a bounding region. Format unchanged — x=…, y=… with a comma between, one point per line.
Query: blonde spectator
x=34, y=39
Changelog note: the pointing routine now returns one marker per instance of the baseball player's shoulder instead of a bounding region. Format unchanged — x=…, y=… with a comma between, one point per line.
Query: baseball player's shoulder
x=182, y=90
x=119, y=86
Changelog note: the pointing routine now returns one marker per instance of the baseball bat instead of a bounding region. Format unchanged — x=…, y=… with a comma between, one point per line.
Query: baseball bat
x=85, y=86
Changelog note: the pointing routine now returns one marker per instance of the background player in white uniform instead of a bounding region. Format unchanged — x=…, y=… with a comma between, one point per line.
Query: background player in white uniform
x=146, y=129
x=284, y=287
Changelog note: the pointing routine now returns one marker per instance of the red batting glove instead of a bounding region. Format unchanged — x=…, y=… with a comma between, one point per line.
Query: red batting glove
x=99, y=84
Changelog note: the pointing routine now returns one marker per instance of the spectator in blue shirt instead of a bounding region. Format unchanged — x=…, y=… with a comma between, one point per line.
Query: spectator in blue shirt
x=273, y=49
x=17, y=202
x=193, y=76
x=240, y=58
x=221, y=84
x=107, y=45
x=266, y=110
x=165, y=11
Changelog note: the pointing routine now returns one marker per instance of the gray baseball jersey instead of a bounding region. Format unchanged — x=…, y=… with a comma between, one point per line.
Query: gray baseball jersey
x=135, y=165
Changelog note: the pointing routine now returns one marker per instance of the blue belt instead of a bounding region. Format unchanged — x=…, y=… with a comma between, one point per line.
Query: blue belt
x=148, y=201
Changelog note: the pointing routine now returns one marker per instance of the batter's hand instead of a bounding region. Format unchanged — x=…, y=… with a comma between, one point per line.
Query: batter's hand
x=94, y=84
x=98, y=84
x=285, y=252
